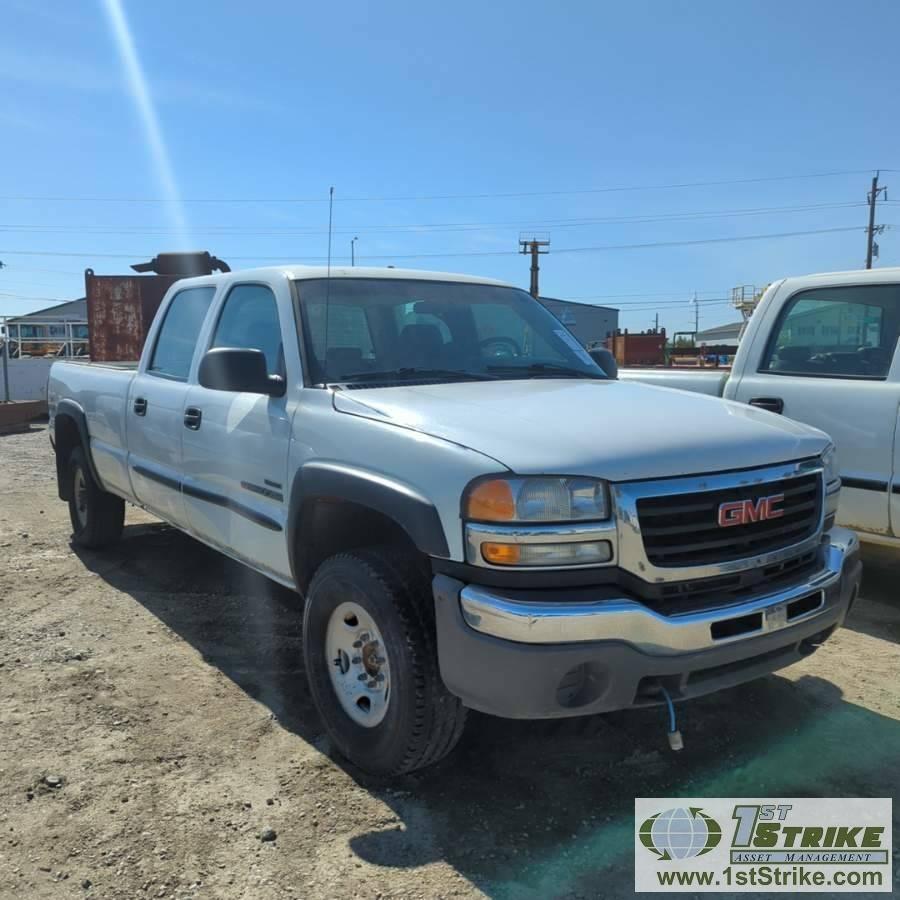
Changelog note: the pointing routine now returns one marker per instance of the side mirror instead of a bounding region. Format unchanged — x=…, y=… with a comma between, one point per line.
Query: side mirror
x=240, y=370
x=606, y=361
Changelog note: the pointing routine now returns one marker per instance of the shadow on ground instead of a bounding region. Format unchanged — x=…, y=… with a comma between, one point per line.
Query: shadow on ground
x=521, y=809
x=879, y=615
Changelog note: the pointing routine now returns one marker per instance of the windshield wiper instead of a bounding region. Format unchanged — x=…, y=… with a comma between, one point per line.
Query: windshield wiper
x=412, y=372
x=550, y=370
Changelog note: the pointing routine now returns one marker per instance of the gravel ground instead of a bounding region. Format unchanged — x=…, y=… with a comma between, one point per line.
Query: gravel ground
x=158, y=739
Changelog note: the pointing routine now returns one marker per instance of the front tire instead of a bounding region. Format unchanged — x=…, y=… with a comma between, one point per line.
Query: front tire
x=97, y=517
x=371, y=660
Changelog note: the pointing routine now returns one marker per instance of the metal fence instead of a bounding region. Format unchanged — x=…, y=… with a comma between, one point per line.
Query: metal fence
x=38, y=337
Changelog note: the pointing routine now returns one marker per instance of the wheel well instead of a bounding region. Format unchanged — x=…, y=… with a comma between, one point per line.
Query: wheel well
x=327, y=526
x=66, y=438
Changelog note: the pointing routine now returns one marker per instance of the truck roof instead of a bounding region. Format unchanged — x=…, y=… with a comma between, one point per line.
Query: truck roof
x=304, y=272
x=888, y=273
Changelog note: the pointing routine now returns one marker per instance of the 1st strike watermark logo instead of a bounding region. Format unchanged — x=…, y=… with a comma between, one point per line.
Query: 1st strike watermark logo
x=766, y=832
x=680, y=833
x=788, y=845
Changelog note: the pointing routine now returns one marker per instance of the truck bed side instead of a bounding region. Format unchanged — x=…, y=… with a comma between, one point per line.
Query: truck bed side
x=700, y=381
x=88, y=402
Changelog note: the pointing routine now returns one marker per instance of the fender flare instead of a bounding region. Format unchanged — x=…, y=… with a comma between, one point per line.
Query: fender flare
x=414, y=513
x=70, y=409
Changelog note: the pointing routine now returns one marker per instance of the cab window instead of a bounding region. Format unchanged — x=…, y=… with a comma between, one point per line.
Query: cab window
x=837, y=332
x=249, y=320
x=178, y=335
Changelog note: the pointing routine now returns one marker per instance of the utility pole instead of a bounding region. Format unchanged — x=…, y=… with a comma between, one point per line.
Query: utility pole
x=353, y=251
x=696, y=318
x=873, y=229
x=533, y=246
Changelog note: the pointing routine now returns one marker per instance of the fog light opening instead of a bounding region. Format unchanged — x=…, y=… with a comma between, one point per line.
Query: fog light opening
x=581, y=685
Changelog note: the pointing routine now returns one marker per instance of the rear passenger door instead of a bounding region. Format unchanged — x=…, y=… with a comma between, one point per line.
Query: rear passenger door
x=156, y=402
x=235, y=445
x=830, y=362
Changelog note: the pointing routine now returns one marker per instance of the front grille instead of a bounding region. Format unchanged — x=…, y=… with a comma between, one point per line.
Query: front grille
x=679, y=597
x=683, y=529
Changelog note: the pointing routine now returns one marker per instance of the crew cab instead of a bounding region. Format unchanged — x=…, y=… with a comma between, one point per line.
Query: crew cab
x=476, y=516
x=822, y=349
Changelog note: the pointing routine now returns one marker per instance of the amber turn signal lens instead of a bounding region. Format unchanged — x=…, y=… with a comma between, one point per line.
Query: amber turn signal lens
x=491, y=501
x=501, y=554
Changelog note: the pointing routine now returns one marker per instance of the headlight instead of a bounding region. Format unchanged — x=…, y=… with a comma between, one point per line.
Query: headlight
x=830, y=465
x=543, y=499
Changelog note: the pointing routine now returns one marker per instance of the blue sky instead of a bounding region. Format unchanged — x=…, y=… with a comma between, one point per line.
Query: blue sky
x=260, y=106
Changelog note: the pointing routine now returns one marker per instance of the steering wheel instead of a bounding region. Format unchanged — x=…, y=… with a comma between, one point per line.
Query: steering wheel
x=505, y=347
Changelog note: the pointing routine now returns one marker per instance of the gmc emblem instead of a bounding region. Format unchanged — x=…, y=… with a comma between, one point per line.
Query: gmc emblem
x=743, y=512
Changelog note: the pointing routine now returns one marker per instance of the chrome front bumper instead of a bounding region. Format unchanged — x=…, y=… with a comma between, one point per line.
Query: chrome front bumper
x=524, y=654
x=624, y=619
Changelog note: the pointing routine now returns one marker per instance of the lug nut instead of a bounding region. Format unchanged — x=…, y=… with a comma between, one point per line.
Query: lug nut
x=362, y=677
x=356, y=660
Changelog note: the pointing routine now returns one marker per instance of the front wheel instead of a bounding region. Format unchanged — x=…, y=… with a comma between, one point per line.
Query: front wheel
x=368, y=638
x=97, y=516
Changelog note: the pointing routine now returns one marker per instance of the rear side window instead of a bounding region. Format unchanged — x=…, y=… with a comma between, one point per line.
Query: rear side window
x=837, y=332
x=177, y=338
x=249, y=320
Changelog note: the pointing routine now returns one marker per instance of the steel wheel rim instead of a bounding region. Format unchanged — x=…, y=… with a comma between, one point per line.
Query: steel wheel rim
x=79, y=488
x=358, y=664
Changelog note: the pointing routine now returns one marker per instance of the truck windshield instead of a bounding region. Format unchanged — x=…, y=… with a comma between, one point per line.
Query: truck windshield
x=394, y=330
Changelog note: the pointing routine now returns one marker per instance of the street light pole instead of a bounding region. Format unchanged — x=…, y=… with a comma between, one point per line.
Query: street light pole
x=353, y=251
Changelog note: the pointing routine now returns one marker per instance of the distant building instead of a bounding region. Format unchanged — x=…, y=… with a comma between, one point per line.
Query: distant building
x=59, y=330
x=721, y=335
x=588, y=322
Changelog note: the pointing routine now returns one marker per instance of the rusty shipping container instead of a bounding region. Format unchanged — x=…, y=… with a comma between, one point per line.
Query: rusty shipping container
x=638, y=349
x=120, y=308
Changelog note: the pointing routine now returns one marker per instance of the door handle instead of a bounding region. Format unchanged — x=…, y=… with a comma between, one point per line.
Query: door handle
x=192, y=418
x=140, y=406
x=772, y=404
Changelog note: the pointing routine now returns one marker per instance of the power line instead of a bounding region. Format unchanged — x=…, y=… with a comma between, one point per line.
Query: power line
x=49, y=271
x=473, y=253
x=262, y=230
x=27, y=298
x=722, y=240
x=655, y=303
x=649, y=294
x=429, y=197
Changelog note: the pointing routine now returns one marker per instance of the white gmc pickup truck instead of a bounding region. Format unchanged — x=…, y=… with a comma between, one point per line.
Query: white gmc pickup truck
x=822, y=349
x=476, y=516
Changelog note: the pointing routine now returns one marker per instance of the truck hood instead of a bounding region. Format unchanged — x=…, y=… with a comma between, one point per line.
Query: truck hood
x=608, y=429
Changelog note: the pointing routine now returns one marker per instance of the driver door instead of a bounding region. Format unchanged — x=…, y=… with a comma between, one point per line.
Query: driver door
x=235, y=445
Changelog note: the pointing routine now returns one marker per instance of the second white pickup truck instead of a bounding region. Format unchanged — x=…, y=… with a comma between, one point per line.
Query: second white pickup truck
x=476, y=516
x=822, y=349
